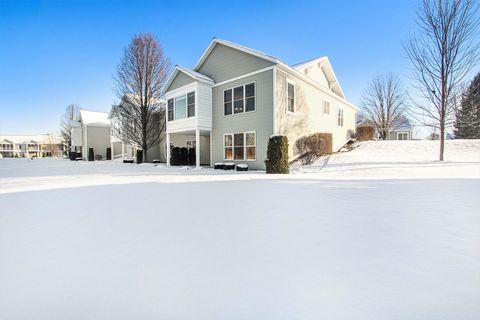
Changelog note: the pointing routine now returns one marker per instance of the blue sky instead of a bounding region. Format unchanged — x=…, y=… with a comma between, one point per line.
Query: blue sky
x=53, y=53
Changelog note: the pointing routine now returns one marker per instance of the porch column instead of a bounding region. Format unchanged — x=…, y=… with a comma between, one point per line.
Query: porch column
x=123, y=150
x=211, y=150
x=197, y=148
x=168, y=150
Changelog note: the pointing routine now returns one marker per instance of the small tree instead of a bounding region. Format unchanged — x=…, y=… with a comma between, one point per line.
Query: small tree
x=277, y=155
x=140, y=77
x=384, y=104
x=72, y=113
x=442, y=54
x=467, y=123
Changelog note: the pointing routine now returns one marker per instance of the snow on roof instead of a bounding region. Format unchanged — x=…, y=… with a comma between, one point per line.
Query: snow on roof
x=33, y=139
x=94, y=118
x=302, y=65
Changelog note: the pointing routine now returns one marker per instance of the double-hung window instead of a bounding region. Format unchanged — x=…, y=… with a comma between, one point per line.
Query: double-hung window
x=170, y=110
x=239, y=99
x=326, y=107
x=340, y=117
x=240, y=146
x=181, y=107
x=191, y=104
x=290, y=96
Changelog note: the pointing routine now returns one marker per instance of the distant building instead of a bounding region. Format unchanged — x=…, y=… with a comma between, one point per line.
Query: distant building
x=91, y=131
x=26, y=146
x=403, y=132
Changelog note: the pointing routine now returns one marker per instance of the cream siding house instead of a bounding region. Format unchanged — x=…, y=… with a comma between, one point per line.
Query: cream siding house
x=235, y=98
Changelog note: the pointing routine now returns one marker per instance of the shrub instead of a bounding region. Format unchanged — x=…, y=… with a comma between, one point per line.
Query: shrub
x=175, y=156
x=139, y=156
x=191, y=156
x=365, y=133
x=90, y=154
x=109, y=153
x=184, y=156
x=313, y=146
x=98, y=157
x=277, y=155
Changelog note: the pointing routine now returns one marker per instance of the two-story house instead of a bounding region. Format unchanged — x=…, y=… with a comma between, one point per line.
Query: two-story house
x=235, y=98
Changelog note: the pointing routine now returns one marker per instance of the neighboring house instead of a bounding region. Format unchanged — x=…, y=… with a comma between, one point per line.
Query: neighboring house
x=403, y=132
x=26, y=146
x=121, y=149
x=235, y=98
x=91, y=131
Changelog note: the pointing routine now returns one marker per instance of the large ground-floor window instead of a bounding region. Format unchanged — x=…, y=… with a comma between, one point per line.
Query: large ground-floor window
x=240, y=146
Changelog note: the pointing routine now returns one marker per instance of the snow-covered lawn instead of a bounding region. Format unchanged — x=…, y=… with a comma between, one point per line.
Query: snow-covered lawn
x=397, y=238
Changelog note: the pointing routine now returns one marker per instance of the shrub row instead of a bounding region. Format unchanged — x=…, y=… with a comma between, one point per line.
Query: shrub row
x=182, y=156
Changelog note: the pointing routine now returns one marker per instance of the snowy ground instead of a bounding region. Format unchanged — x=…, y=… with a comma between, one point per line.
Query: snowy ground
x=106, y=240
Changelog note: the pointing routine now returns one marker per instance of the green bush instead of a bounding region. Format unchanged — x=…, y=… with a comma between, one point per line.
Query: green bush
x=175, y=156
x=277, y=155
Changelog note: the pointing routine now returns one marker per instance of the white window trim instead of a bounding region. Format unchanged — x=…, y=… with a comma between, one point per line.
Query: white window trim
x=329, y=107
x=338, y=116
x=403, y=133
x=244, y=99
x=244, y=146
x=187, y=141
x=289, y=81
x=174, y=98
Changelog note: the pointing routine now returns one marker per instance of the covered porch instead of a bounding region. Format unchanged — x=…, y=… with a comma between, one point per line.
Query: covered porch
x=198, y=140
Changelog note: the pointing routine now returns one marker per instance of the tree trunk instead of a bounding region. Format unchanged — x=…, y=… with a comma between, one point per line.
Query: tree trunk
x=442, y=138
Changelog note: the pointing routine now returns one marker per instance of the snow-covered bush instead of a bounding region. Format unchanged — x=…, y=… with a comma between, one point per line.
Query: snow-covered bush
x=277, y=155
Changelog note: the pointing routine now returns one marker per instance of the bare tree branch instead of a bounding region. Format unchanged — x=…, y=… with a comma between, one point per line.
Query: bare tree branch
x=384, y=104
x=442, y=53
x=141, y=75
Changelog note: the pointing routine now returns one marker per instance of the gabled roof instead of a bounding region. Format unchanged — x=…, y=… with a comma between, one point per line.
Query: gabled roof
x=230, y=44
x=327, y=69
x=94, y=118
x=24, y=139
x=192, y=74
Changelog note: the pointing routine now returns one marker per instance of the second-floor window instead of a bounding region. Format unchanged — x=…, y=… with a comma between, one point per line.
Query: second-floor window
x=239, y=99
x=181, y=107
x=290, y=96
x=340, y=117
x=326, y=107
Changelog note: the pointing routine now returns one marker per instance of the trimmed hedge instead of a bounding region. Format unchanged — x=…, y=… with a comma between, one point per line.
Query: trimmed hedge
x=277, y=155
x=139, y=156
x=109, y=153
x=175, y=156
x=365, y=133
x=184, y=156
x=313, y=147
x=90, y=154
x=191, y=156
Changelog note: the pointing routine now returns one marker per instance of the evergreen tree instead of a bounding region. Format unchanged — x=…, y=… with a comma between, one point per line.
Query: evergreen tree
x=467, y=124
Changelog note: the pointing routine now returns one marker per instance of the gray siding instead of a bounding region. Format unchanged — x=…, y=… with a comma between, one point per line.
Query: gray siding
x=180, y=140
x=260, y=121
x=225, y=63
x=98, y=138
x=181, y=79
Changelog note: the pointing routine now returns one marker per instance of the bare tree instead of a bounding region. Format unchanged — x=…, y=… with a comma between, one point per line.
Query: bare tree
x=72, y=113
x=442, y=54
x=384, y=104
x=141, y=75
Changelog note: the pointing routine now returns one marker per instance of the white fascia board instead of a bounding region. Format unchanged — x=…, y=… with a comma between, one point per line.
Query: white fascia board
x=247, y=50
x=289, y=70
